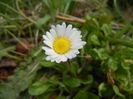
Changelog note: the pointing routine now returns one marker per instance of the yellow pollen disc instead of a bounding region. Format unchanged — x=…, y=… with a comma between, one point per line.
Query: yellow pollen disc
x=61, y=45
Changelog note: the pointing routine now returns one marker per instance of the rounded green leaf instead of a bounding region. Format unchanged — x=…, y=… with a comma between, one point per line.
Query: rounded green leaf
x=112, y=63
x=82, y=94
x=45, y=63
x=104, y=90
x=94, y=39
x=38, y=88
x=72, y=82
x=117, y=91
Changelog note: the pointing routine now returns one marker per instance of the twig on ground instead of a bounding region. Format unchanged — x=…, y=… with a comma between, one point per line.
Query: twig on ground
x=70, y=18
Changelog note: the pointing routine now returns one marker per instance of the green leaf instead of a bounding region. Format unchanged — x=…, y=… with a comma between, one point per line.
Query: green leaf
x=46, y=2
x=72, y=82
x=22, y=78
x=125, y=66
x=74, y=68
x=123, y=42
x=44, y=96
x=82, y=94
x=4, y=51
x=92, y=96
x=105, y=90
x=129, y=87
x=52, y=6
x=101, y=53
x=106, y=29
x=122, y=76
x=112, y=63
x=67, y=6
x=117, y=91
x=61, y=97
x=94, y=39
x=38, y=88
x=88, y=80
x=4, y=4
x=45, y=63
x=7, y=93
x=42, y=21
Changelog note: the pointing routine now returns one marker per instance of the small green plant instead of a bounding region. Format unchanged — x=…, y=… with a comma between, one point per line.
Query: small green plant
x=102, y=69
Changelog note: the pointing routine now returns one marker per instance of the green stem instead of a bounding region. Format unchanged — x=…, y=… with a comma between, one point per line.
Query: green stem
x=121, y=42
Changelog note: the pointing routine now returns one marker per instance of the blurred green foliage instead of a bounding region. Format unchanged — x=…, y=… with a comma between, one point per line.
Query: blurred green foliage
x=102, y=70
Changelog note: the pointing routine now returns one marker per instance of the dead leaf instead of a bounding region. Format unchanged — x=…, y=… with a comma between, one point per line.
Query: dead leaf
x=110, y=78
x=4, y=73
x=7, y=63
x=24, y=46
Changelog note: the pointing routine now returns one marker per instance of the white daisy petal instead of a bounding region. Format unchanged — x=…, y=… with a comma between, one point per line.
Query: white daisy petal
x=50, y=37
x=53, y=33
x=62, y=43
x=51, y=58
x=48, y=58
x=64, y=25
x=48, y=43
x=63, y=58
x=49, y=51
x=45, y=38
x=53, y=27
x=58, y=60
x=69, y=27
x=68, y=30
x=77, y=43
x=75, y=35
x=71, y=54
x=60, y=29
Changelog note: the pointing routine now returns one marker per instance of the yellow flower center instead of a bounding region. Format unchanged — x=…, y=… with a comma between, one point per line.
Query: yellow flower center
x=61, y=45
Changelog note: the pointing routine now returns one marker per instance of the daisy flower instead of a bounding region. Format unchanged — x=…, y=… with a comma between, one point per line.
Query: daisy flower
x=62, y=43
